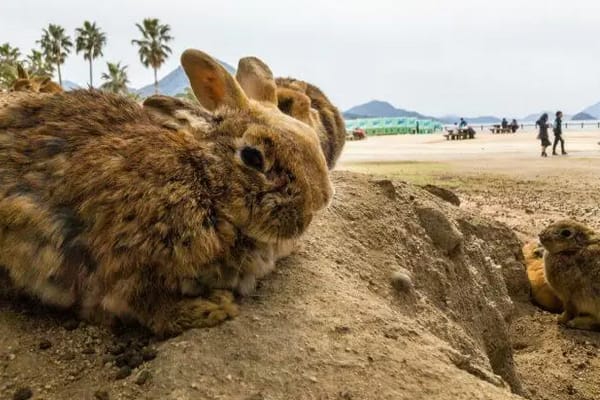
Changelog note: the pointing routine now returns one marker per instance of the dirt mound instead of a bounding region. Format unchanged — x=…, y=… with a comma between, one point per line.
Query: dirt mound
x=394, y=293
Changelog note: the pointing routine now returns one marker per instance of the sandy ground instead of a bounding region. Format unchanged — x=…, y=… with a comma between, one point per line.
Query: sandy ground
x=327, y=325
x=503, y=177
x=505, y=147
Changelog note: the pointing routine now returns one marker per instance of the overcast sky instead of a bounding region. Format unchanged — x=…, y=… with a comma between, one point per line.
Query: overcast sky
x=468, y=57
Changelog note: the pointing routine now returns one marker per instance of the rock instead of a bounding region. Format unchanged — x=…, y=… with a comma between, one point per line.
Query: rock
x=71, y=324
x=135, y=360
x=123, y=372
x=402, y=281
x=116, y=349
x=142, y=377
x=388, y=188
x=101, y=395
x=23, y=394
x=149, y=353
x=443, y=193
x=444, y=234
x=45, y=344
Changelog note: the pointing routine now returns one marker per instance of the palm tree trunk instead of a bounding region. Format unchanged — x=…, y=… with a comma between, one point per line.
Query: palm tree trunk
x=59, y=75
x=91, y=83
x=155, y=82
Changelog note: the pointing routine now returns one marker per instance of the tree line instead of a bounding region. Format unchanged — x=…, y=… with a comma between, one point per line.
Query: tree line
x=56, y=45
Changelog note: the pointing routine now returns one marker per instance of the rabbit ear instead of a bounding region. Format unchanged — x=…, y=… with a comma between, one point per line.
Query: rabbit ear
x=256, y=79
x=21, y=73
x=213, y=86
x=294, y=104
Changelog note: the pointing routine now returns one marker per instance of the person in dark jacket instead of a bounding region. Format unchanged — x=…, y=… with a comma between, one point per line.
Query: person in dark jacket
x=542, y=123
x=514, y=125
x=558, y=134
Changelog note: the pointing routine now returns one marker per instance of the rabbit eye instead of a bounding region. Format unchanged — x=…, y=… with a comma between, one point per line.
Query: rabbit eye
x=253, y=158
x=566, y=233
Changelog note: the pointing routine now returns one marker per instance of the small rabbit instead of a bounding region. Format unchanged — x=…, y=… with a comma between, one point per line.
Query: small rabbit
x=572, y=268
x=35, y=84
x=104, y=208
x=307, y=103
x=541, y=292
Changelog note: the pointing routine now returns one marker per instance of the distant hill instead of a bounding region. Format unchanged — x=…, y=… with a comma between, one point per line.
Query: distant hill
x=174, y=82
x=377, y=108
x=593, y=111
x=70, y=85
x=583, y=116
x=551, y=114
x=348, y=115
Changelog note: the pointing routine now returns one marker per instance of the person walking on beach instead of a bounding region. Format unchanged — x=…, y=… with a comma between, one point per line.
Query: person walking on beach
x=542, y=123
x=558, y=134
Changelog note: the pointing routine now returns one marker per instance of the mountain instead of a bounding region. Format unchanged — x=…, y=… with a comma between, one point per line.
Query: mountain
x=534, y=117
x=70, y=85
x=174, y=82
x=378, y=108
x=583, y=116
x=593, y=111
x=348, y=115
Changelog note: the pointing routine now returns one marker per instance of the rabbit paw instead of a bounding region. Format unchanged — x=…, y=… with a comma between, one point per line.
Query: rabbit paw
x=198, y=313
x=586, y=322
x=564, y=318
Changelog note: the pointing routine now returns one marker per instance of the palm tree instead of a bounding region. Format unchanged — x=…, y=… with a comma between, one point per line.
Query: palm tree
x=9, y=57
x=56, y=46
x=90, y=39
x=9, y=54
x=116, y=78
x=153, y=49
x=37, y=64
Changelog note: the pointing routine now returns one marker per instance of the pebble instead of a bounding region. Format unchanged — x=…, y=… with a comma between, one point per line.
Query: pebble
x=71, y=325
x=101, y=395
x=143, y=377
x=117, y=349
x=135, y=360
x=23, y=394
x=343, y=329
x=45, y=344
x=401, y=281
x=123, y=372
x=149, y=353
x=88, y=350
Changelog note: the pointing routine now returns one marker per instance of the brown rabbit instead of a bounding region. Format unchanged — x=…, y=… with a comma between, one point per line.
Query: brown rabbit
x=177, y=113
x=572, y=268
x=541, y=292
x=307, y=103
x=35, y=84
x=104, y=208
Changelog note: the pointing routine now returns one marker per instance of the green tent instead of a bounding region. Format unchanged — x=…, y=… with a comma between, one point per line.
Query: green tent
x=393, y=126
